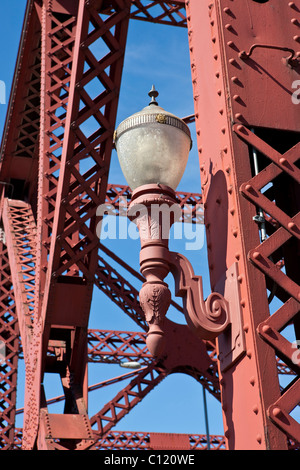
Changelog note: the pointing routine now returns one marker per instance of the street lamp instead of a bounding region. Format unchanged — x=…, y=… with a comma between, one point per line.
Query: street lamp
x=153, y=147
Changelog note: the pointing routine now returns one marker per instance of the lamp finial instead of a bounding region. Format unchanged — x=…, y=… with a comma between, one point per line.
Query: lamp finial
x=153, y=94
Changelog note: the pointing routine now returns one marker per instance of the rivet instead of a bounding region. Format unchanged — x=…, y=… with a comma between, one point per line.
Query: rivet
x=219, y=92
x=230, y=44
x=227, y=169
x=266, y=329
x=294, y=21
x=255, y=409
x=243, y=303
x=249, y=353
x=246, y=328
x=235, y=233
x=238, y=115
x=236, y=97
x=223, y=130
x=296, y=38
x=256, y=255
x=276, y=412
x=252, y=380
x=240, y=277
x=291, y=225
x=234, y=79
x=291, y=4
x=216, y=56
x=237, y=256
x=258, y=438
x=232, y=61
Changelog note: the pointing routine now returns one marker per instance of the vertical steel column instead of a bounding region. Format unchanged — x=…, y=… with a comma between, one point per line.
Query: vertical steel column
x=242, y=74
x=9, y=352
x=79, y=95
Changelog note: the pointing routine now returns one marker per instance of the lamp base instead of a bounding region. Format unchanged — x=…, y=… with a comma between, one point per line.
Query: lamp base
x=154, y=209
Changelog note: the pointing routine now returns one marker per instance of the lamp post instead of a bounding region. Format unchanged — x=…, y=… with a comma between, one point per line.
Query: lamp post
x=153, y=147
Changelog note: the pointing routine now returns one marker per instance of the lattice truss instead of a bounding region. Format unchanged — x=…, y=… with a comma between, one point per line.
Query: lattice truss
x=56, y=156
x=273, y=190
x=61, y=149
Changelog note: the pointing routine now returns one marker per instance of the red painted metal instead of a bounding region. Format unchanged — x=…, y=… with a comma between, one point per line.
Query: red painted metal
x=51, y=254
x=127, y=440
x=9, y=337
x=161, y=12
x=238, y=93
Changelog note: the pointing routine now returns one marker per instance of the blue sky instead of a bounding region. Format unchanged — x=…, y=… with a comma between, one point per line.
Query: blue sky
x=155, y=55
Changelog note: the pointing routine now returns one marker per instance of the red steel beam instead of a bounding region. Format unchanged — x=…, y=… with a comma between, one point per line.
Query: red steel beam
x=20, y=137
x=159, y=11
x=120, y=440
x=60, y=37
x=9, y=341
x=118, y=346
x=240, y=91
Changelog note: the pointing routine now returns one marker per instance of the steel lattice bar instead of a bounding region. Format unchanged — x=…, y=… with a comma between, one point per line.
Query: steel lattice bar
x=117, y=346
x=171, y=13
x=121, y=440
x=126, y=399
x=118, y=199
x=282, y=164
x=128, y=440
x=20, y=235
x=9, y=341
x=23, y=110
x=120, y=291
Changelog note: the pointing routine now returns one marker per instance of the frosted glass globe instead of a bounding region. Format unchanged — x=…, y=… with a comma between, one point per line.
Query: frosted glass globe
x=153, y=147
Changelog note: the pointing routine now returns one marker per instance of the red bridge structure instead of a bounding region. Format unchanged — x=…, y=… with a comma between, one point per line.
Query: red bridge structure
x=245, y=66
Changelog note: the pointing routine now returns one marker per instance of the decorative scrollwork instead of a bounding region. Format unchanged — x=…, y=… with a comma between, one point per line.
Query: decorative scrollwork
x=216, y=308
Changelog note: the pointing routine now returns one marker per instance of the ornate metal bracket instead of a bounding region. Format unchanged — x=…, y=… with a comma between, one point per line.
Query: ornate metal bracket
x=154, y=209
